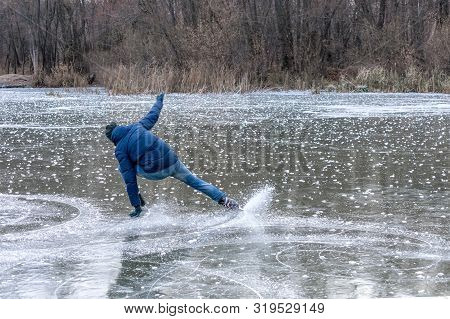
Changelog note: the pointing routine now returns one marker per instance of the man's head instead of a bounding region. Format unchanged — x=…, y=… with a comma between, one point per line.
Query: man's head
x=109, y=129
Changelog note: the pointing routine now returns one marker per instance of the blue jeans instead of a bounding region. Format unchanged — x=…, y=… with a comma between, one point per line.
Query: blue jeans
x=180, y=172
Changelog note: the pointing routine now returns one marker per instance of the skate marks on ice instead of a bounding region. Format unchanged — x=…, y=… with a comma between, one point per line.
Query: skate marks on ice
x=51, y=248
x=21, y=214
x=314, y=258
x=283, y=257
x=60, y=247
x=55, y=246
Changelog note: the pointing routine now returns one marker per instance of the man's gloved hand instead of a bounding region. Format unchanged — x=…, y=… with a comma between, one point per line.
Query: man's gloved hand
x=142, y=200
x=160, y=97
x=137, y=211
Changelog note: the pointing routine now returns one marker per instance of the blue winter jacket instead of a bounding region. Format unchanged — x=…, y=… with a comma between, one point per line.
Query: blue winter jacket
x=136, y=145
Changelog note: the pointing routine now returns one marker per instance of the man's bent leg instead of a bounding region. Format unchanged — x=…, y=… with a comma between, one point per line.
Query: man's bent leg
x=183, y=174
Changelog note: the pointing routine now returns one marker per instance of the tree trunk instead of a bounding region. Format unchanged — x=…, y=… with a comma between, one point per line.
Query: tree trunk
x=366, y=11
x=382, y=14
x=443, y=11
x=283, y=17
x=415, y=25
x=34, y=58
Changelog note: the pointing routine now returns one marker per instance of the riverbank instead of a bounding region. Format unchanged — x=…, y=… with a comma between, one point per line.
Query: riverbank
x=200, y=79
x=15, y=81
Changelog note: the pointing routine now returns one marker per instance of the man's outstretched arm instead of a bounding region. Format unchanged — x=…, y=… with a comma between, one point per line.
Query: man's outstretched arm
x=128, y=171
x=152, y=117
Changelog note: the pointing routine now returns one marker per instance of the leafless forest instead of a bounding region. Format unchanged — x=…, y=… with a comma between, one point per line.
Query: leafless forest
x=229, y=45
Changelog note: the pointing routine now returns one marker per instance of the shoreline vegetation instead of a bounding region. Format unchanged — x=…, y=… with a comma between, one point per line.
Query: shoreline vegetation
x=132, y=80
x=123, y=79
x=198, y=46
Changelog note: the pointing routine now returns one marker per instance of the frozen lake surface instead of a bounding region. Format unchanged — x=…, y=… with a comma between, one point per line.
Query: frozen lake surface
x=346, y=196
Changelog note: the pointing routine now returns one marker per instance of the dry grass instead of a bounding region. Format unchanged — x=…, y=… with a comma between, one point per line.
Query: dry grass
x=198, y=79
x=201, y=78
x=412, y=80
x=60, y=76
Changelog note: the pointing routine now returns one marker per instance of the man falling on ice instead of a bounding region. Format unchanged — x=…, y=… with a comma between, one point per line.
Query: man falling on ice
x=142, y=153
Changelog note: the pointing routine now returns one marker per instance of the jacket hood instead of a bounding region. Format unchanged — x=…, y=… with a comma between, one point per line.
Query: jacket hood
x=118, y=133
